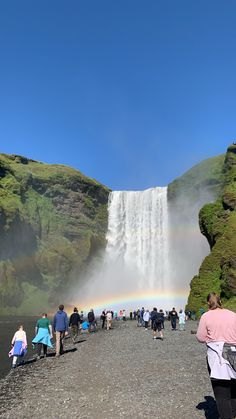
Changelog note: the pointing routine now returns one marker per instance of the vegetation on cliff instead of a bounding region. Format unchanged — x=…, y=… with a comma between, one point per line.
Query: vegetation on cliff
x=53, y=220
x=202, y=181
x=218, y=223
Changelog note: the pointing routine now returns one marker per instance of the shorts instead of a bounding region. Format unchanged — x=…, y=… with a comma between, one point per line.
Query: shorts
x=156, y=327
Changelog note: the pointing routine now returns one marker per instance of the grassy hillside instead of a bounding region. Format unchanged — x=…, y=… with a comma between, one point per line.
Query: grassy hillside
x=204, y=179
x=218, y=224
x=53, y=220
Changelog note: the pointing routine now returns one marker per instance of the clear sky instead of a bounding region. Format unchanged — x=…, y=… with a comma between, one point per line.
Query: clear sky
x=130, y=92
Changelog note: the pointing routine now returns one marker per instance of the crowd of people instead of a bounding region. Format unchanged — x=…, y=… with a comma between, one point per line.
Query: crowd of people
x=217, y=329
x=78, y=323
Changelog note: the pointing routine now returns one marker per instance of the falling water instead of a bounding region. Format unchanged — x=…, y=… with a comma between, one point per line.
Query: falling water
x=138, y=235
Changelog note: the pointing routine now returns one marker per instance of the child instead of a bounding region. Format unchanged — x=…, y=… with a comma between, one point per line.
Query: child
x=19, y=345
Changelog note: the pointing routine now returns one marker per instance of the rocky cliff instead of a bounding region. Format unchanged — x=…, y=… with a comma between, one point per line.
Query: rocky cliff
x=53, y=221
x=218, y=224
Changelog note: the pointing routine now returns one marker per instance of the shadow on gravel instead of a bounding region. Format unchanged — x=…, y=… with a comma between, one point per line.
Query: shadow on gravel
x=27, y=362
x=67, y=351
x=209, y=407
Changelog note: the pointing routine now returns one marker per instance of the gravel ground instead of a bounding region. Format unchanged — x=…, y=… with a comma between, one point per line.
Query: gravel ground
x=121, y=373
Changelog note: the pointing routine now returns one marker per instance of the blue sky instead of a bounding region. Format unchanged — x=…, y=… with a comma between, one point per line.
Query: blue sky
x=130, y=92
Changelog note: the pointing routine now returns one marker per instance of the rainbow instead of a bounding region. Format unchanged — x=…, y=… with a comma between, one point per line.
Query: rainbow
x=134, y=300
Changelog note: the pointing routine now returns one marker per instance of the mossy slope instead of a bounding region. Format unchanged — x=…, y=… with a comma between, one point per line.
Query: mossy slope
x=53, y=220
x=218, y=223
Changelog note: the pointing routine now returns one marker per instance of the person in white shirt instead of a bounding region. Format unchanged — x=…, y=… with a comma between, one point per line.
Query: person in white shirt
x=109, y=320
x=146, y=318
x=181, y=320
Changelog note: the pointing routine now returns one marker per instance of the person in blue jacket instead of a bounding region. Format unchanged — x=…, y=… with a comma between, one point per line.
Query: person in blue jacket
x=60, y=327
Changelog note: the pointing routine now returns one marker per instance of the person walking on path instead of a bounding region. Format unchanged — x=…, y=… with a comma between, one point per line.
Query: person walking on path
x=43, y=332
x=60, y=326
x=146, y=318
x=109, y=320
x=181, y=320
x=103, y=318
x=173, y=318
x=124, y=315
x=157, y=322
x=74, y=324
x=91, y=321
x=18, y=346
x=141, y=316
x=217, y=328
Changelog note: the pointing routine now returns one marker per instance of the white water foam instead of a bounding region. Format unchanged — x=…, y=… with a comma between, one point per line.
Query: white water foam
x=138, y=236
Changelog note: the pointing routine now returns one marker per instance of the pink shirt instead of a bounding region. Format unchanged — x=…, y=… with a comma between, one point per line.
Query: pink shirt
x=217, y=325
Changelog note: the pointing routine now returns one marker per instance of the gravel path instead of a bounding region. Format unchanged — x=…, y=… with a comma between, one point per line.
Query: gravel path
x=121, y=373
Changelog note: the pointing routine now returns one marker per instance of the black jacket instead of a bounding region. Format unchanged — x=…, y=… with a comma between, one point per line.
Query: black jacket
x=74, y=319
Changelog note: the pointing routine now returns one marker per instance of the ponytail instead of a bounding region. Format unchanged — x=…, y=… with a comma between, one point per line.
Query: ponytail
x=213, y=301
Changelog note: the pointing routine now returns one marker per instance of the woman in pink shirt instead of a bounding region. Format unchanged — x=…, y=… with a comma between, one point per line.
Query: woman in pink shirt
x=216, y=327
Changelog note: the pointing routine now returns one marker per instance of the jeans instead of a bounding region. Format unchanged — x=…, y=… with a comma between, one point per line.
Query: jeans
x=173, y=323
x=59, y=342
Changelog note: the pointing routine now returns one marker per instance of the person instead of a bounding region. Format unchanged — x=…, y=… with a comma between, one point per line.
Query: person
x=60, y=327
x=146, y=318
x=103, y=318
x=109, y=320
x=141, y=316
x=124, y=315
x=138, y=317
x=18, y=346
x=153, y=316
x=135, y=314
x=162, y=319
x=201, y=311
x=43, y=335
x=85, y=326
x=81, y=316
x=217, y=328
x=131, y=315
x=91, y=321
x=74, y=323
x=173, y=318
x=158, y=319
x=181, y=319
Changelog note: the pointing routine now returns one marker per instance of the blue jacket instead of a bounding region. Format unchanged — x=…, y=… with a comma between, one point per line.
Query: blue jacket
x=60, y=321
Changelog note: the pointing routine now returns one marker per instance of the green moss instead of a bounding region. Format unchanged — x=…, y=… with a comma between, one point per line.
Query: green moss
x=52, y=220
x=206, y=176
x=218, y=223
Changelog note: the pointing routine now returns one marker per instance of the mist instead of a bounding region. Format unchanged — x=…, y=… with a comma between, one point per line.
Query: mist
x=154, y=248
x=188, y=247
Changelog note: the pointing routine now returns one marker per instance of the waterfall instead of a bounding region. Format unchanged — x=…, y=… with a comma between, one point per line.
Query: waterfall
x=137, y=235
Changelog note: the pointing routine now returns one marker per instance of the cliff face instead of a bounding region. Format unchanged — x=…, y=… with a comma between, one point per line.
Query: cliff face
x=186, y=196
x=53, y=221
x=218, y=224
